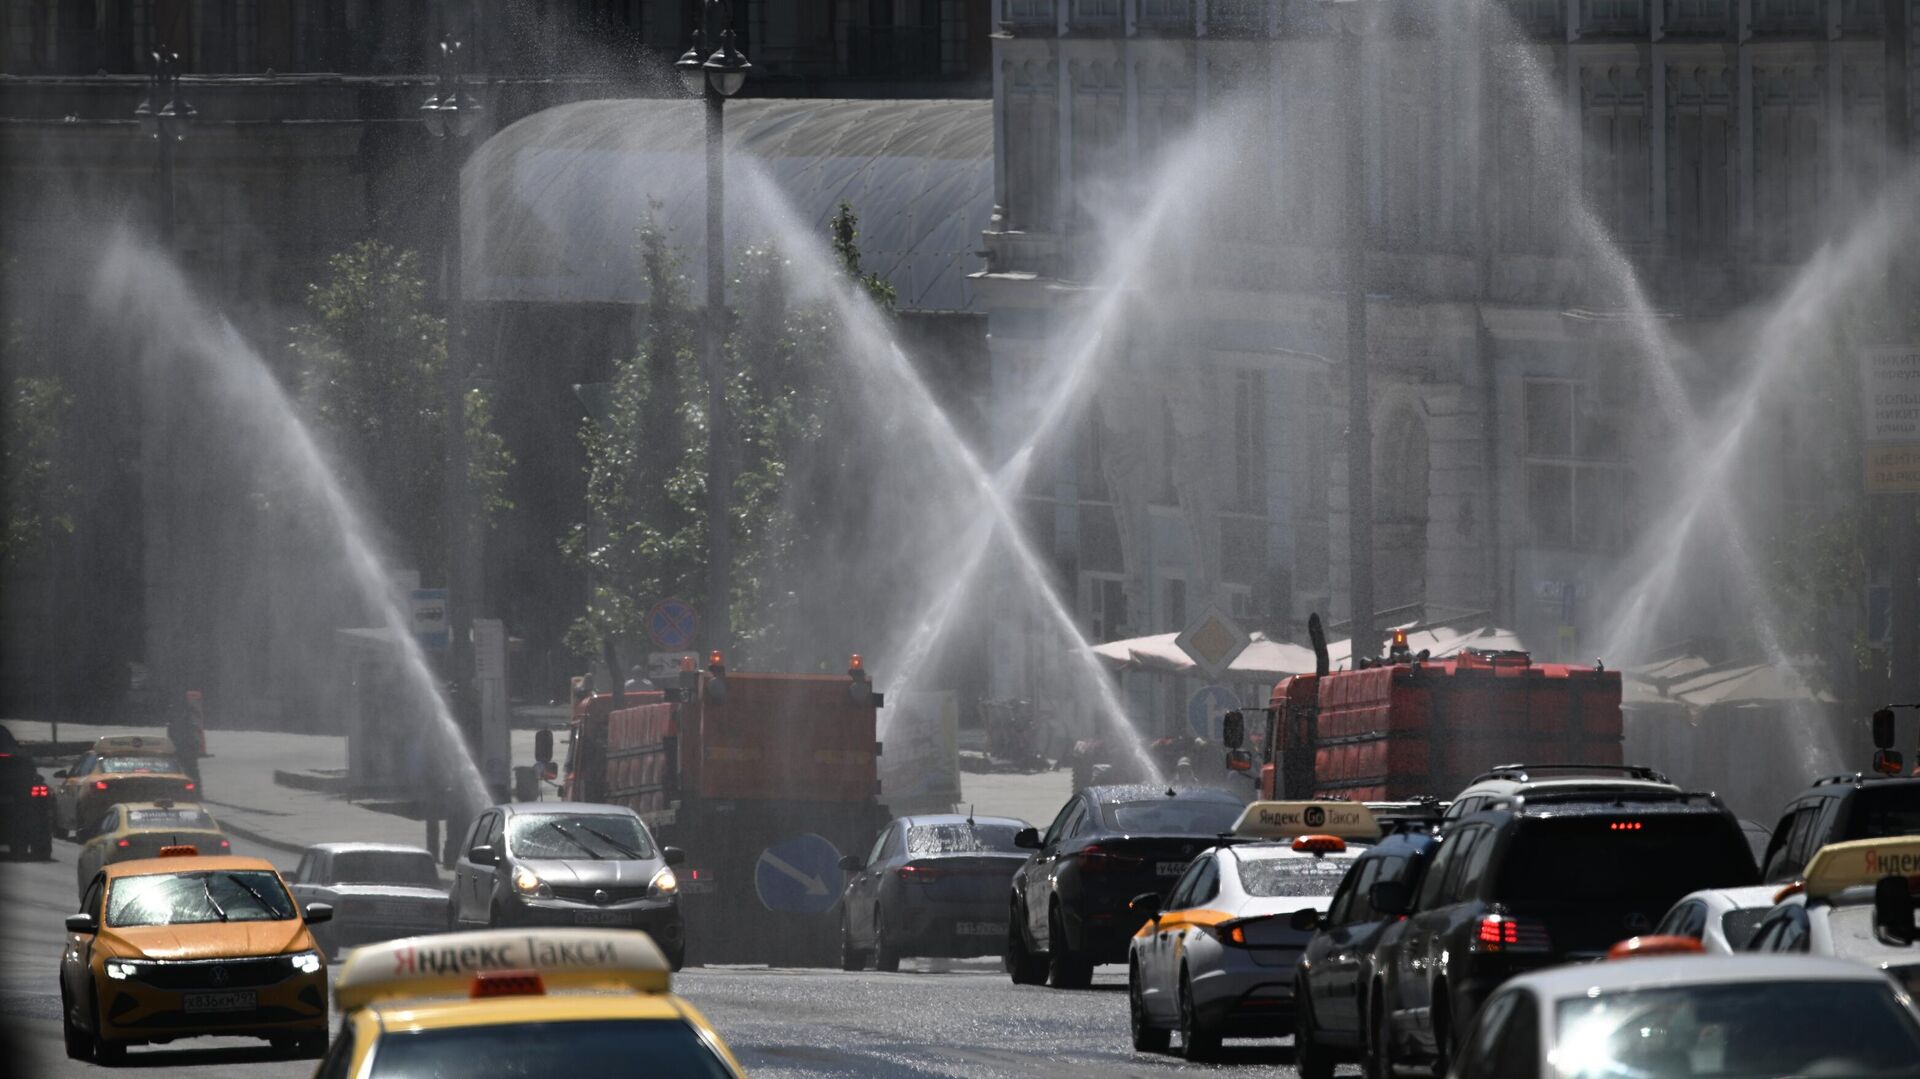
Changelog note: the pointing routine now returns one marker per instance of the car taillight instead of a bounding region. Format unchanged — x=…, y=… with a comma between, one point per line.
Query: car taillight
x=1230, y=933
x=99, y=784
x=918, y=874
x=40, y=791
x=224, y=845
x=1499, y=933
x=125, y=843
x=190, y=786
x=1095, y=860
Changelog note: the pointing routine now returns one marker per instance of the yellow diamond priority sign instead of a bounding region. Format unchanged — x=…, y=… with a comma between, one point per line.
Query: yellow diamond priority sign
x=1213, y=641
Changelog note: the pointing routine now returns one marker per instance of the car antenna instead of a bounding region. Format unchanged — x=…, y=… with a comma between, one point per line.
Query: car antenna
x=1171, y=793
x=970, y=823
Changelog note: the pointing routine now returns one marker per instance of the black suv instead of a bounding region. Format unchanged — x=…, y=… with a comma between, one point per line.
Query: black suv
x=1336, y=970
x=1532, y=880
x=1108, y=844
x=1836, y=809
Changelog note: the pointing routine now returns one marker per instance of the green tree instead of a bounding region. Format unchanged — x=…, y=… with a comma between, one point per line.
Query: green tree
x=40, y=489
x=370, y=364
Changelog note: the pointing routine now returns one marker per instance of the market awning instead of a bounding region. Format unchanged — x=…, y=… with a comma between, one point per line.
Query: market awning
x=1269, y=660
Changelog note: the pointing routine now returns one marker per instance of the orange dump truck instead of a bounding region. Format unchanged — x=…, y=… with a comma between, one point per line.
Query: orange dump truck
x=1407, y=728
x=765, y=780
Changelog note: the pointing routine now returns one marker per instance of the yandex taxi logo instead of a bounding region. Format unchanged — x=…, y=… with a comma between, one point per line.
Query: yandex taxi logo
x=507, y=955
x=1289, y=820
x=446, y=965
x=1861, y=861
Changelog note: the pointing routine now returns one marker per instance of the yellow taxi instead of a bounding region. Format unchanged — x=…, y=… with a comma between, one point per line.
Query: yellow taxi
x=82, y=792
x=135, y=830
x=531, y=1003
x=185, y=945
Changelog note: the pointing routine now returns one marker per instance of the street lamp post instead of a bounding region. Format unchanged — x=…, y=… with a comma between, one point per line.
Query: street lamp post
x=716, y=77
x=450, y=115
x=164, y=116
x=1349, y=18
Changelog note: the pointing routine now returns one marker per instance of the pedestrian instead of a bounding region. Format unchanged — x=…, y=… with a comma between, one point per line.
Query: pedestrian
x=186, y=729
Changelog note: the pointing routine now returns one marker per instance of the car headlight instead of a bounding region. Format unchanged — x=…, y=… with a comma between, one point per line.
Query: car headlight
x=664, y=883
x=305, y=962
x=120, y=969
x=527, y=882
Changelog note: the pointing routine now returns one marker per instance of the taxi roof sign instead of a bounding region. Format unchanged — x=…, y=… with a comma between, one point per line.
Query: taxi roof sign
x=1351, y=821
x=446, y=965
x=133, y=745
x=1838, y=866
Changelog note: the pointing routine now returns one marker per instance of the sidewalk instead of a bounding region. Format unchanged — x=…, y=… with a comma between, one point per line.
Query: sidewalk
x=240, y=788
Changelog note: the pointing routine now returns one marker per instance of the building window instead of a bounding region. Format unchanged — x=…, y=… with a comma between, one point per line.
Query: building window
x=1575, y=476
x=1033, y=146
x=1106, y=606
x=1699, y=157
x=1788, y=16
x=1249, y=442
x=1529, y=207
x=1613, y=16
x=1096, y=11
x=1696, y=16
x=1166, y=108
x=1618, y=179
x=1787, y=158
x=1167, y=12
x=1176, y=612
x=1099, y=120
x=1030, y=10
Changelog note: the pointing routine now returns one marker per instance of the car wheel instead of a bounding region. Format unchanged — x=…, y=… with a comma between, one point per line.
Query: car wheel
x=1197, y=1040
x=79, y=1044
x=1310, y=1058
x=453, y=917
x=1147, y=1038
x=886, y=954
x=1066, y=969
x=1377, y=1042
x=105, y=1050
x=851, y=958
x=1443, y=1047
x=1022, y=965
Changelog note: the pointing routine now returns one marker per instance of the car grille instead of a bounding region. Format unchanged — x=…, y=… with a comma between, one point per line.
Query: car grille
x=213, y=973
x=583, y=893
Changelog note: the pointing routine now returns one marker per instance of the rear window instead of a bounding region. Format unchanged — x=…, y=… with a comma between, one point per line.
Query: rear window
x=1171, y=816
x=168, y=818
x=961, y=838
x=384, y=867
x=578, y=835
x=218, y=895
x=1884, y=811
x=1739, y=926
x=1643, y=859
x=1272, y=877
x=126, y=765
x=562, y=1050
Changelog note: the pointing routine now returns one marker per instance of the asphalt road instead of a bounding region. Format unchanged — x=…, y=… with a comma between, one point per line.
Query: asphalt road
x=963, y=1021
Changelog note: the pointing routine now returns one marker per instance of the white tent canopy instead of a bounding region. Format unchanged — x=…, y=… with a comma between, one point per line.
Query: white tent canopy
x=1268, y=660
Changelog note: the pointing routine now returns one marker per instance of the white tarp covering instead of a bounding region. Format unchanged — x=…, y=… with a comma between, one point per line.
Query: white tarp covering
x=1268, y=660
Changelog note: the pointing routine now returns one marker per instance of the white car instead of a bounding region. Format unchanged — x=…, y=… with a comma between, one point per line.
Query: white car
x=1693, y=1015
x=1723, y=920
x=1216, y=957
x=1835, y=912
x=378, y=891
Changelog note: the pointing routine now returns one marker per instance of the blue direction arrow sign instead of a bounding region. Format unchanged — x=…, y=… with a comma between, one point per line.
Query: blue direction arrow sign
x=673, y=625
x=799, y=875
x=1207, y=707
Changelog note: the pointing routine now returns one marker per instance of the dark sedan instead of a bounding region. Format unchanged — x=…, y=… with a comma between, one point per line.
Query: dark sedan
x=931, y=885
x=1069, y=904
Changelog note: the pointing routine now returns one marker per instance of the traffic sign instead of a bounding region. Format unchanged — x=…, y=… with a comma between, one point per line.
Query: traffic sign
x=1206, y=709
x=430, y=617
x=673, y=625
x=799, y=875
x=1212, y=641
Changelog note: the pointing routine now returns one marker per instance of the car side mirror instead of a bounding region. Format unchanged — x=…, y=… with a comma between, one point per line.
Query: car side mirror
x=82, y=923
x=672, y=855
x=317, y=913
x=1233, y=729
x=1893, y=910
x=1027, y=839
x=542, y=745
x=1883, y=729
x=1391, y=897
x=482, y=855
x=1146, y=905
x=852, y=863
x=1306, y=920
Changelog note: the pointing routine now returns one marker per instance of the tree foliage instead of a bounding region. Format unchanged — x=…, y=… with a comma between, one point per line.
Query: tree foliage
x=371, y=359
x=40, y=488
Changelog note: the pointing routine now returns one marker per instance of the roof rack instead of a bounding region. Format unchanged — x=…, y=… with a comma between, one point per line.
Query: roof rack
x=1522, y=773
x=1856, y=777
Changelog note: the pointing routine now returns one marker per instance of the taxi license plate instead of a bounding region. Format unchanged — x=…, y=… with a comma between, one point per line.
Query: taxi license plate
x=1169, y=869
x=232, y=1000
x=602, y=917
x=980, y=929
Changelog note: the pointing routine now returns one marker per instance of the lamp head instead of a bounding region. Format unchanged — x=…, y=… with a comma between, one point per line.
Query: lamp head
x=727, y=68
x=690, y=67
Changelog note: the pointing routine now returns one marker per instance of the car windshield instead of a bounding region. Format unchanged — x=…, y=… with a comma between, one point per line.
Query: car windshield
x=214, y=895
x=962, y=838
x=1285, y=876
x=384, y=867
x=1738, y=926
x=141, y=819
x=125, y=765
x=1884, y=811
x=1553, y=860
x=558, y=1050
x=1172, y=816
x=1747, y=1029
x=578, y=835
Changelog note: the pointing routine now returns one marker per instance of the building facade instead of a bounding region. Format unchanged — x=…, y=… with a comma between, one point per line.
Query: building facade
x=1548, y=187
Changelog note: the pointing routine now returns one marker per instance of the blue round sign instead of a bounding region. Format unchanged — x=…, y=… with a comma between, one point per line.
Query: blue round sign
x=799, y=875
x=1207, y=707
x=673, y=625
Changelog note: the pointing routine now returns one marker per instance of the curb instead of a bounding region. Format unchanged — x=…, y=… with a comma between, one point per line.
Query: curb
x=309, y=781
x=248, y=834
